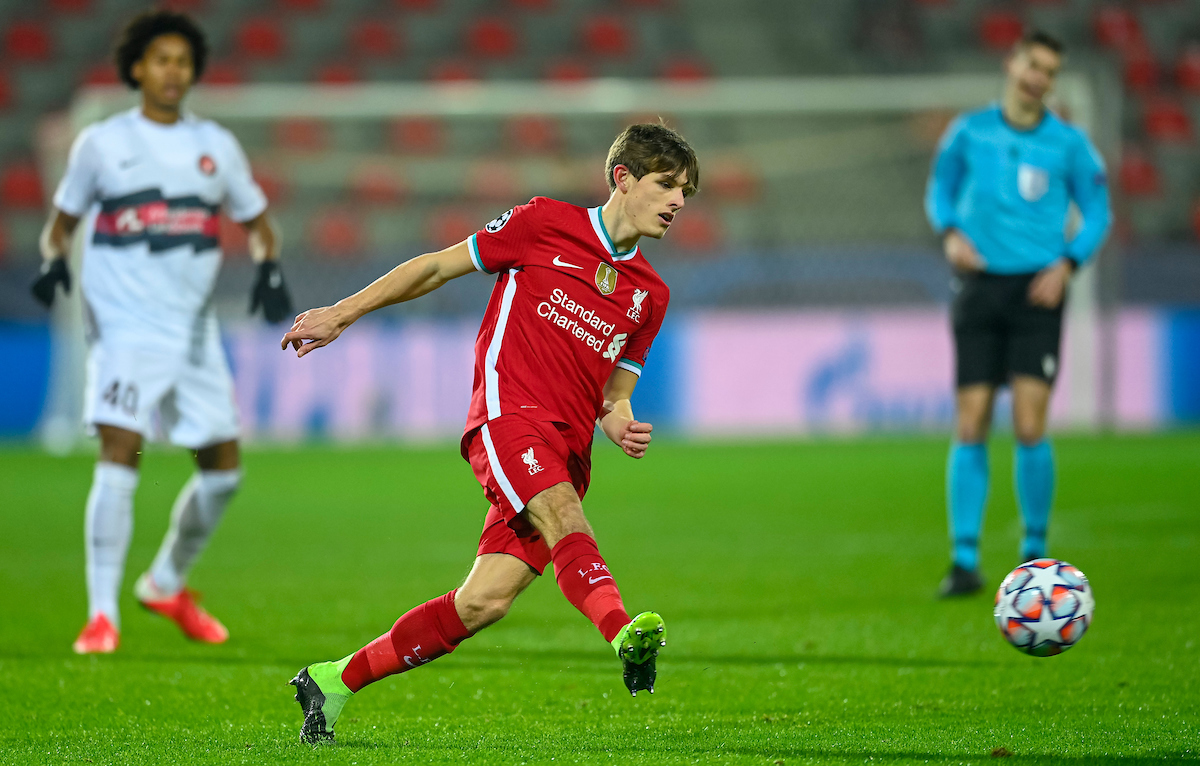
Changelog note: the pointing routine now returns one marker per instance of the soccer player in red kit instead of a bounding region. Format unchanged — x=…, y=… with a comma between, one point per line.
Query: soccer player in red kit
x=562, y=344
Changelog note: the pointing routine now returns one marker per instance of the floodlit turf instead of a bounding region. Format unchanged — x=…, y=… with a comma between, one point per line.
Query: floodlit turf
x=797, y=583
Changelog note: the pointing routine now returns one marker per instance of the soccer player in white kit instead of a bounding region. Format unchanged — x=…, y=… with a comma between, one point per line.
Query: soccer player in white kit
x=149, y=185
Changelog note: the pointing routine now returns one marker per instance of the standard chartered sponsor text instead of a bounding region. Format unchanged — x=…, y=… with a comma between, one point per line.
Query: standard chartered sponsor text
x=577, y=320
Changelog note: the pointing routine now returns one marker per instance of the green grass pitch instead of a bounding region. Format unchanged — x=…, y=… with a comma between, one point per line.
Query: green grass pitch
x=796, y=580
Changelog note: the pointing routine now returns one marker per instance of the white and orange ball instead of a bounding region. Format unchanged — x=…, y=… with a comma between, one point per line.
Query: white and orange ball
x=1044, y=607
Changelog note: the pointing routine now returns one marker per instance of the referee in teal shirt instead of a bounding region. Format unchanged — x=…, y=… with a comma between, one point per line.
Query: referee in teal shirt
x=998, y=194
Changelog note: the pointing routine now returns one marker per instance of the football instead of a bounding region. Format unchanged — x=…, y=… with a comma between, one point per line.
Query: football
x=1044, y=607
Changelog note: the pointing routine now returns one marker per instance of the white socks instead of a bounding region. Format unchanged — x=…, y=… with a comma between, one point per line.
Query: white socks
x=108, y=525
x=194, y=518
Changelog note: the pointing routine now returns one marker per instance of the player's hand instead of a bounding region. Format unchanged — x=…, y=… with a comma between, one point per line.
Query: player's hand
x=315, y=328
x=1050, y=284
x=961, y=253
x=271, y=293
x=635, y=438
x=54, y=273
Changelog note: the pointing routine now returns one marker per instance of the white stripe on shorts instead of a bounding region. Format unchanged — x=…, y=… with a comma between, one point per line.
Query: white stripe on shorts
x=505, y=485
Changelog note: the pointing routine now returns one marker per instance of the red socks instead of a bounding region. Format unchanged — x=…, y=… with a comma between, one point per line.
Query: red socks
x=584, y=579
x=423, y=634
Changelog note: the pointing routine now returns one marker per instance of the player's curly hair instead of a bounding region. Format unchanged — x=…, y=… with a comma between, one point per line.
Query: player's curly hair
x=141, y=31
x=653, y=148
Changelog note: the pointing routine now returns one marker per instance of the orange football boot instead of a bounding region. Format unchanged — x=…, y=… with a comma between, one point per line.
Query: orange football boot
x=99, y=636
x=183, y=610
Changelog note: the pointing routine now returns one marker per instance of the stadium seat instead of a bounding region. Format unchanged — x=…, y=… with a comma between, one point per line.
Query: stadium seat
x=533, y=134
x=261, y=38
x=696, y=232
x=999, y=29
x=685, y=70
x=337, y=232
x=1187, y=69
x=101, y=73
x=491, y=38
x=301, y=134
x=606, y=36
x=417, y=135
x=222, y=73
x=374, y=39
x=1138, y=175
x=273, y=185
x=567, y=71
x=1117, y=27
x=732, y=181
x=375, y=185
x=27, y=41
x=21, y=186
x=491, y=180
x=337, y=73
x=1166, y=120
x=1140, y=70
x=450, y=225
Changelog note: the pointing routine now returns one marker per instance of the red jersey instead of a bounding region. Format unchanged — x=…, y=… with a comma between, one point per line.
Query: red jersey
x=567, y=310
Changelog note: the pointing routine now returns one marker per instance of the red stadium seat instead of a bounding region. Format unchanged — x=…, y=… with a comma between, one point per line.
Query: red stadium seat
x=1140, y=70
x=6, y=92
x=27, y=41
x=451, y=225
x=491, y=38
x=1117, y=27
x=1138, y=175
x=21, y=186
x=451, y=71
x=533, y=134
x=374, y=185
x=274, y=186
x=731, y=181
x=1167, y=121
x=686, y=70
x=999, y=30
x=1187, y=69
x=374, y=39
x=261, y=38
x=337, y=73
x=567, y=71
x=222, y=73
x=696, y=231
x=101, y=73
x=302, y=134
x=491, y=180
x=336, y=232
x=418, y=135
x=607, y=36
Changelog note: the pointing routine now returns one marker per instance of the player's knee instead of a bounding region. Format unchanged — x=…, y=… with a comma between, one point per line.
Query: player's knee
x=972, y=431
x=478, y=612
x=1029, y=431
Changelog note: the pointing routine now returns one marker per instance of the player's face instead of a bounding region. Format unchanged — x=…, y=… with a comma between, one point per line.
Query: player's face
x=1031, y=73
x=165, y=72
x=653, y=202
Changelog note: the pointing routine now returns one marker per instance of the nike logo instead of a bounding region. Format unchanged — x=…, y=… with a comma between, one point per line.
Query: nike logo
x=559, y=262
x=594, y=580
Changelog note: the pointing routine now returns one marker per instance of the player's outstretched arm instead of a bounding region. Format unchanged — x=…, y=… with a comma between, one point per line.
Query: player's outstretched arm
x=412, y=279
x=618, y=422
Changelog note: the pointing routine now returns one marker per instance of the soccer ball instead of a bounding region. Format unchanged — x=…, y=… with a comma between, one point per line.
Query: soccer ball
x=1044, y=607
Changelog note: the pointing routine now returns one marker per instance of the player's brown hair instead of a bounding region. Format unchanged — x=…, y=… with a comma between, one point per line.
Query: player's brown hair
x=1042, y=38
x=142, y=29
x=653, y=148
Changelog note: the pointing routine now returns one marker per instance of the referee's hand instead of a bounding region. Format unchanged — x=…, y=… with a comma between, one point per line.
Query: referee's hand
x=54, y=273
x=961, y=253
x=1050, y=285
x=271, y=293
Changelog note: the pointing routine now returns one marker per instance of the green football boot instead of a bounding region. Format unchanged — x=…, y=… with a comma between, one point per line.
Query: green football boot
x=322, y=695
x=637, y=646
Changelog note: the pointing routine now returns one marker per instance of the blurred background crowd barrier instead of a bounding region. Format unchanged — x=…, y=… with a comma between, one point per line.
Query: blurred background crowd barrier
x=808, y=294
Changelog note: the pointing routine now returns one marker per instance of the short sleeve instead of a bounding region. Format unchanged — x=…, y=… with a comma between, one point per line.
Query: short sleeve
x=503, y=243
x=244, y=199
x=77, y=189
x=638, y=348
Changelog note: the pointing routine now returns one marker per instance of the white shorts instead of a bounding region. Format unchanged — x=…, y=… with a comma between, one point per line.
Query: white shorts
x=162, y=391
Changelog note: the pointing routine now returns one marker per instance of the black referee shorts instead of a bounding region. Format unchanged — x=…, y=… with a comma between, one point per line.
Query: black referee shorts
x=998, y=333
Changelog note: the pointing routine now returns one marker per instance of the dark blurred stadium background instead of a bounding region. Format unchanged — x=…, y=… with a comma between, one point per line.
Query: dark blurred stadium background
x=806, y=283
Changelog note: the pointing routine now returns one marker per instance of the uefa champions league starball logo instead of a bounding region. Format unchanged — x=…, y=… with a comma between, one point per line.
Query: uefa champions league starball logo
x=1044, y=607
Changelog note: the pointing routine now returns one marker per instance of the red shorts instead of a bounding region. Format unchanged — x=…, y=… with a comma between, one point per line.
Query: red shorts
x=514, y=458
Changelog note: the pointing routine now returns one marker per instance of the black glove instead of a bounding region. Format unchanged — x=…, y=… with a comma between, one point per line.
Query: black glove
x=54, y=273
x=270, y=293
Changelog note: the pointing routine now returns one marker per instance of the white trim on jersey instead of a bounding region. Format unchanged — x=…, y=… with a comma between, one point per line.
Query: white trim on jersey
x=505, y=485
x=602, y=235
x=491, y=378
x=625, y=364
x=473, y=249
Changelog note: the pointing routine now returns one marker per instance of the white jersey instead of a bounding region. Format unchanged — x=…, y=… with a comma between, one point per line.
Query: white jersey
x=152, y=194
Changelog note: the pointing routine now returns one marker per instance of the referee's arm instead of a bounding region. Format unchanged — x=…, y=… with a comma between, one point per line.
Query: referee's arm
x=1088, y=186
x=941, y=198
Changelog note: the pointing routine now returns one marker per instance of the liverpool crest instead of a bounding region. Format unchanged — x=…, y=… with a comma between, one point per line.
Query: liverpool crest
x=606, y=279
